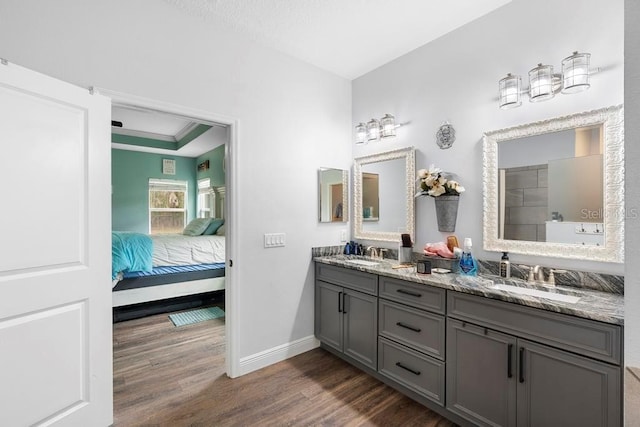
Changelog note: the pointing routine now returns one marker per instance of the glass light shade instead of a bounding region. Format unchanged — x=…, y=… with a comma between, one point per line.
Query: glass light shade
x=373, y=130
x=361, y=133
x=575, y=73
x=541, y=83
x=387, y=126
x=509, y=89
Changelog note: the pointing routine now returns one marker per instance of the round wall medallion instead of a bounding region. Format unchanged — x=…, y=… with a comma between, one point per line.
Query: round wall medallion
x=445, y=136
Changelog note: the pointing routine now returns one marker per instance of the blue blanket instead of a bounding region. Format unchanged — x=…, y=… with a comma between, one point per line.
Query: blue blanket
x=130, y=252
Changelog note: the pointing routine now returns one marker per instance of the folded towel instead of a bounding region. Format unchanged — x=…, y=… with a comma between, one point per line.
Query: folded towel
x=438, y=249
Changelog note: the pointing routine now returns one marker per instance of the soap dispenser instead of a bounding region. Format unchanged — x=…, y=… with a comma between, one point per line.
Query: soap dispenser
x=505, y=265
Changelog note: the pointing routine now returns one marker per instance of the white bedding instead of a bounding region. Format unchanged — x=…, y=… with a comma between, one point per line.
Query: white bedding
x=178, y=249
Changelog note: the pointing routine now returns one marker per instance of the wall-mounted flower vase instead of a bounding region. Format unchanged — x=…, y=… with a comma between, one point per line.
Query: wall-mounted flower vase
x=447, y=212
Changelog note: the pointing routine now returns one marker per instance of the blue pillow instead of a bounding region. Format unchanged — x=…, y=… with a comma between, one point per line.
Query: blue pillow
x=196, y=227
x=213, y=226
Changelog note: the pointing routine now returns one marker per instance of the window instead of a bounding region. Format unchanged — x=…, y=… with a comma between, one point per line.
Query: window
x=205, y=199
x=167, y=206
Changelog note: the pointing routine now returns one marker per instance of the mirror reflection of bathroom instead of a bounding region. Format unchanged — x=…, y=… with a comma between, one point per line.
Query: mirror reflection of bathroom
x=551, y=187
x=370, y=196
x=383, y=190
x=333, y=195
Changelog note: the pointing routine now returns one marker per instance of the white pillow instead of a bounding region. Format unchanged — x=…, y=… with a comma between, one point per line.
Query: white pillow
x=220, y=231
x=196, y=227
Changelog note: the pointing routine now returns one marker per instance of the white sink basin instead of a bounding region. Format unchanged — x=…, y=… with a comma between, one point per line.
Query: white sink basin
x=362, y=262
x=536, y=293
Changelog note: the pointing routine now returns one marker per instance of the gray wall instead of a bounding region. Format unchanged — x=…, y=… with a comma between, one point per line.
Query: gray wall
x=292, y=119
x=455, y=78
x=632, y=189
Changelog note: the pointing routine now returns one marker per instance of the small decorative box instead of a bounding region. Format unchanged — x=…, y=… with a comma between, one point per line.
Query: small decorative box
x=423, y=266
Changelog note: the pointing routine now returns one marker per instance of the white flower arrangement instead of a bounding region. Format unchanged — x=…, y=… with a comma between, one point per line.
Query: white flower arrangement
x=434, y=183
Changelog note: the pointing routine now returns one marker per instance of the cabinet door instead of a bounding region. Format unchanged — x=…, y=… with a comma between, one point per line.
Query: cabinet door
x=328, y=315
x=361, y=327
x=557, y=388
x=481, y=374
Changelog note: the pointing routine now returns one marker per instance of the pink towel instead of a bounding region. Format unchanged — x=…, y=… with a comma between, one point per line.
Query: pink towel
x=438, y=249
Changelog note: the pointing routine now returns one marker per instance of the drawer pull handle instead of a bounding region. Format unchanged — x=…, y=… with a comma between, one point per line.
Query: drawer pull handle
x=521, y=367
x=509, y=361
x=344, y=303
x=339, y=302
x=404, y=291
x=411, y=328
x=413, y=371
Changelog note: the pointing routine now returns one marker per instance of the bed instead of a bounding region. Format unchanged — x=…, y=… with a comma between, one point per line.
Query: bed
x=153, y=274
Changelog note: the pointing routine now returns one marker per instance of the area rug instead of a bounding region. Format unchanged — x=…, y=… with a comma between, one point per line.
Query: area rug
x=195, y=316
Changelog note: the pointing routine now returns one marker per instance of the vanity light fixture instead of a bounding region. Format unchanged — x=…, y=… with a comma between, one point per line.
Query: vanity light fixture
x=510, y=90
x=361, y=133
x=541, y=83
x=544, y=84
x=575, y=73
x=375, y=129
x=387, y=126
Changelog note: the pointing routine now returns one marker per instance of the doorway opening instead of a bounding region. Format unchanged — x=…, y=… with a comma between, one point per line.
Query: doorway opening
x=207, y=141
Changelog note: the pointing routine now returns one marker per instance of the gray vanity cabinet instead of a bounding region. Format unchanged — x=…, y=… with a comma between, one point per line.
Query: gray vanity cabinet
x=328, y=316
x=411, y=347
x=558, y=388
x=495, y=378
x=478, y=361
x=481, y=374
x=346, y=319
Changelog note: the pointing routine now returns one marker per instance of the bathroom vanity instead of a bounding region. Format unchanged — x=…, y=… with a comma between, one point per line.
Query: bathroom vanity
x=472, y=349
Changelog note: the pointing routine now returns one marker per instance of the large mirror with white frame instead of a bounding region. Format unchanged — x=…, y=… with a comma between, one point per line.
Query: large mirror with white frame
x=556, y=187
x=383, y=195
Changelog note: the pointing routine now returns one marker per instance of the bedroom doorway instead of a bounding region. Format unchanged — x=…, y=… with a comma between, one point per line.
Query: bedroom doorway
x=206, y=132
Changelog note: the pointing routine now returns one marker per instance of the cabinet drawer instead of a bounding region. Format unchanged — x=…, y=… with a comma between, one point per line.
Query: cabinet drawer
x=590, y=338
x=353, y=279
x=417, y=329
x=412, y=369
x=416, y=295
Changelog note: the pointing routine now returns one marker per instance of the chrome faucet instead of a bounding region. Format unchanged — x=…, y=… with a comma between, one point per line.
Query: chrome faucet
x=538, y=274
x=373, y=251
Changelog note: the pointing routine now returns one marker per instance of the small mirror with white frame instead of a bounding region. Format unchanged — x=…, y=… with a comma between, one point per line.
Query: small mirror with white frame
x=333, y=195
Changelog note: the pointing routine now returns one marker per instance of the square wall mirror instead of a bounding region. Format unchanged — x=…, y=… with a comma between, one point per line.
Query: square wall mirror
x=556, y=187
x=383, y=195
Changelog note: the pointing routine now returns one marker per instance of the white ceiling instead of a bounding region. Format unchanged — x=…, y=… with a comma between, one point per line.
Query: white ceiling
x=164, y=127
x=346, y=37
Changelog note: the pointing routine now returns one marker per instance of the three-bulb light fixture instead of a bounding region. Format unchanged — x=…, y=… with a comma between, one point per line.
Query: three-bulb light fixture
x=375, y=129
x=544, y=84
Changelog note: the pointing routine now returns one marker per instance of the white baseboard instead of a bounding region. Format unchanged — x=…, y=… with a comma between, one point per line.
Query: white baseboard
x=277, y=354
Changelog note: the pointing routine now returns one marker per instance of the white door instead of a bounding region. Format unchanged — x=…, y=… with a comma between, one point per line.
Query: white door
x=55, y=259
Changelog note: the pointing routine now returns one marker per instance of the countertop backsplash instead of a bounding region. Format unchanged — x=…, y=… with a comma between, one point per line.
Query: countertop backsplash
x=578, y=279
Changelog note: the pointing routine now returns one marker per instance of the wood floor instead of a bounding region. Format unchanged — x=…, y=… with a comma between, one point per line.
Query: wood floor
x=168, y=376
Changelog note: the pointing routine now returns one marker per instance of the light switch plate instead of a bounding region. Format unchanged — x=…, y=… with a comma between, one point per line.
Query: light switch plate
x=343, y=236
x=274, y=240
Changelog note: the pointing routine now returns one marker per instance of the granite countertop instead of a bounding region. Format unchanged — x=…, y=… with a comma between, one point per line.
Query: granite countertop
x=594, y=305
